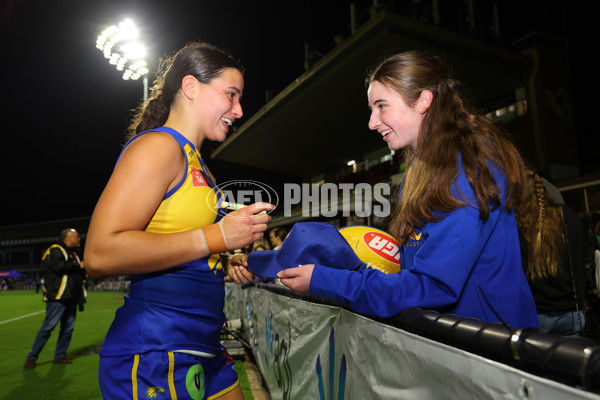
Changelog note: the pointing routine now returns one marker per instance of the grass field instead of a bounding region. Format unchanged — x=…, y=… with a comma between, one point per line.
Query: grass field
x=21, y=315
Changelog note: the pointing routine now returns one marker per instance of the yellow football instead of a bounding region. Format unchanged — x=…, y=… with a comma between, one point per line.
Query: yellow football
x=378, y=249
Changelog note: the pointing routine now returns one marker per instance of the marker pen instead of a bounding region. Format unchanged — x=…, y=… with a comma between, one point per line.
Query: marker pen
x=232, y=206
x=235, y=206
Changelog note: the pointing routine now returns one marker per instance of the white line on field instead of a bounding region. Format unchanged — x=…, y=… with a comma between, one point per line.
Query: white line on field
x=21, y=317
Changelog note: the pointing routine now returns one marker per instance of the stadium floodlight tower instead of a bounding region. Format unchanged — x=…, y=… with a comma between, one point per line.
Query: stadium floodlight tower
x=120, y=46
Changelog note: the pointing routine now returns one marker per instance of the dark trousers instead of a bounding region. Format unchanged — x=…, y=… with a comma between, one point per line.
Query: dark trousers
x=56, y=311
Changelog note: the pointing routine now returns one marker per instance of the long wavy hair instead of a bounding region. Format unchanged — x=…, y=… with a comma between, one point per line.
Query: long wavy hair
x=202, y=60
x=450, y=129
x=540, y=223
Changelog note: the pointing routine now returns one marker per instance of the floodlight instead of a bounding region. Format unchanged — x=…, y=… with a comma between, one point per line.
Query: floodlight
x=120, y=46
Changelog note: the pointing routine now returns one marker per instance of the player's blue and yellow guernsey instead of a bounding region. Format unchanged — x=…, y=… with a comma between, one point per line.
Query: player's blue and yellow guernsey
x=180, y=308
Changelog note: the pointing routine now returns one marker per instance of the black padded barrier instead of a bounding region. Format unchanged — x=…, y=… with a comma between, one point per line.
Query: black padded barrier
x=572, y=360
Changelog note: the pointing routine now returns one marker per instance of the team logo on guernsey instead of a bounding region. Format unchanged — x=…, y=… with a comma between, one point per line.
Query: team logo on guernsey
x=153, y=392
x=414, y=236
x=214, y=263
x=194, y=382
x=414, y=240
x=198, y=178
x=383, y=245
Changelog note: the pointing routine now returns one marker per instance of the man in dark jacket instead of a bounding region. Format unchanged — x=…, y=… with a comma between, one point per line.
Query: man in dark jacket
x=63, y=293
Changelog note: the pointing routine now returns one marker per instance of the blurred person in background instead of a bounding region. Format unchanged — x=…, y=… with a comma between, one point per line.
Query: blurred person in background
x=63, y=273
x=277, y=235
x=553, y=251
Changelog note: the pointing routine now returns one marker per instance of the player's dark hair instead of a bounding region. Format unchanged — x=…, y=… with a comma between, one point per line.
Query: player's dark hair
x=202, y=60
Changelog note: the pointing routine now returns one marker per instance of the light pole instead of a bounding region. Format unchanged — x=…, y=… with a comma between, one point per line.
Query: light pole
x=120, y=46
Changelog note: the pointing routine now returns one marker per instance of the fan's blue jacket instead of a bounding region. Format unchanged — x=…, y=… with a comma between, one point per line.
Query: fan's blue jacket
x=460, y=265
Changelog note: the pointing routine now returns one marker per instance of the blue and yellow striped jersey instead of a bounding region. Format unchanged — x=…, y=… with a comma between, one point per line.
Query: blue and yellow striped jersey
x=180, y=308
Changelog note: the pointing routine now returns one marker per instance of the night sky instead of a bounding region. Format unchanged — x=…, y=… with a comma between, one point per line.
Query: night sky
x=65, y=109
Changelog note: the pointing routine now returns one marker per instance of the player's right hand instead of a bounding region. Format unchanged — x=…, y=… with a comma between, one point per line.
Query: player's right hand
x=245, y=226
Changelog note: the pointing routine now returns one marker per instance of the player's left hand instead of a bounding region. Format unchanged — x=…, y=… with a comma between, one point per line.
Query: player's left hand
x=238, y=269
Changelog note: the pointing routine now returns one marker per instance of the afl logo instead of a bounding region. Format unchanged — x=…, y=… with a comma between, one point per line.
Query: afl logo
x=383, y=245
x=244, y=192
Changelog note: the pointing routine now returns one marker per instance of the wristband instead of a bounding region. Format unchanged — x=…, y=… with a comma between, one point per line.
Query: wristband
x=220, y=223
x=215, y=238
